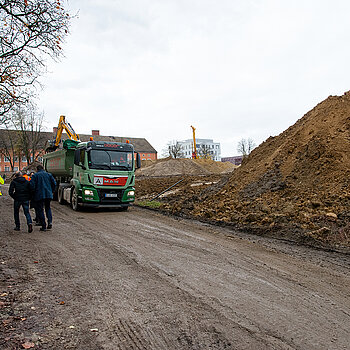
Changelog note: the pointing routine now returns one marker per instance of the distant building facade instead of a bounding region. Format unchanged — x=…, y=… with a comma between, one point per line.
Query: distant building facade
x=237, y=160
x=141, y=145
x=18, y=162
x=204, y=146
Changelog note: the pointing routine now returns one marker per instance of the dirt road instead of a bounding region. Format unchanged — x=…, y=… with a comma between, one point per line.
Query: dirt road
x=140, y=280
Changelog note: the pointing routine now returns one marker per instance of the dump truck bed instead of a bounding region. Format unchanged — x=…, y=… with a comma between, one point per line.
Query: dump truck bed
x=60, y=163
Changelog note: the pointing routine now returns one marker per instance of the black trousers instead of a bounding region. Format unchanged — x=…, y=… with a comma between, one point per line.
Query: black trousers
x=41, y=205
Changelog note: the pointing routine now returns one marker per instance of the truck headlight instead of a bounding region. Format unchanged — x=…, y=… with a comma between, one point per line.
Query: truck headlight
x=131, y=193
x=89, y=193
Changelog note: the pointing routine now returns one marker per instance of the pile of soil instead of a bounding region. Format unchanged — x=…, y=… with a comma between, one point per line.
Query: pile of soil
x=294, y=185
x=173, y=167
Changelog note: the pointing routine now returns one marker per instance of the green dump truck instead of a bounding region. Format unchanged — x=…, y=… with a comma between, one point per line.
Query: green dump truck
x=94, y=173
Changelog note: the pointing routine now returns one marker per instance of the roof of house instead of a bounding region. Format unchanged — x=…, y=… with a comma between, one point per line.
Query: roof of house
x=140, y=144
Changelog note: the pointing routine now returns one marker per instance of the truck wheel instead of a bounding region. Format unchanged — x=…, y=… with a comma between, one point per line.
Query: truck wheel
x=74, y=200
x=60, y=196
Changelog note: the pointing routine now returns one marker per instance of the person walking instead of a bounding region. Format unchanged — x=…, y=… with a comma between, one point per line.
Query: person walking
x=20, y=191
x=32, y=204
x=43, y=185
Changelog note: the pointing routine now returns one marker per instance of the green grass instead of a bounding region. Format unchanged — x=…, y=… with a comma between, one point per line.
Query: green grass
x=149, y=204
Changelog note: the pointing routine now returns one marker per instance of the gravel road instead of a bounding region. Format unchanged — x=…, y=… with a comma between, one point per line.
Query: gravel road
x=141, y=280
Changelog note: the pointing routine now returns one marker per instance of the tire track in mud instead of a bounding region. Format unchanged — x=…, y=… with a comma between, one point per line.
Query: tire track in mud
x=306, y=297
x=240, y=325
x=130, y=259
x=151, y=282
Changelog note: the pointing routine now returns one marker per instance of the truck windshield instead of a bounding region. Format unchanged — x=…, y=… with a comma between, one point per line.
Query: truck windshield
x=110, y=159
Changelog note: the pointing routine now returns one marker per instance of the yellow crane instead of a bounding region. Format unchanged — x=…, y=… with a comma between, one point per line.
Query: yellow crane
x=62, y=125
x=194, y=150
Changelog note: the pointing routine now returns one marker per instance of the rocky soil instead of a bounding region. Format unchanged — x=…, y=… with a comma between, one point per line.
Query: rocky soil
x=294, y=185
x=171, y=167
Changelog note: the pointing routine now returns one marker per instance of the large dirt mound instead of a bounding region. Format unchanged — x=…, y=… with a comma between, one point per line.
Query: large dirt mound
x=173, y=167
x=313, y=154
x=299, y=177
x=297, y=182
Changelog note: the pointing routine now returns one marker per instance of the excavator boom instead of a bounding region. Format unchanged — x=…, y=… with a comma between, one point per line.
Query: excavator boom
x=62, y=125
x=194, y=151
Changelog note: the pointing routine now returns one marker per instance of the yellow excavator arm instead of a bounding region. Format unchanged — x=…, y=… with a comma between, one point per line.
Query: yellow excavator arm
x=194, y=151
x=62, y=125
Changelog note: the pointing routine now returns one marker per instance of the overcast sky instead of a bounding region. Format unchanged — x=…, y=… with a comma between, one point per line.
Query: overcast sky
x=232, y=68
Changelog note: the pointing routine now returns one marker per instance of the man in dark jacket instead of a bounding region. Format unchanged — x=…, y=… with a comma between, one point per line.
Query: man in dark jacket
x=43, y=185
x=20, y=191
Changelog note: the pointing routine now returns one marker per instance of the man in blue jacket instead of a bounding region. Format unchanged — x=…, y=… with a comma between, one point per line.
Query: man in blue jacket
x=43, y=185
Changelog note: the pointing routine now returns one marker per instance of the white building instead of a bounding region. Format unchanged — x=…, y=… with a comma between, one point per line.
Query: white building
x=206, y=146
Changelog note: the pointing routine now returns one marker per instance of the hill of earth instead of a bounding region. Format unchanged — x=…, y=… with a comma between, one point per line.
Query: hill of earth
x=183, y=166
x=294, y=185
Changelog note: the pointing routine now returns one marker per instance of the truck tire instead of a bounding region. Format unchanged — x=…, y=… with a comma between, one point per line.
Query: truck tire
x=60, y=196
x=74, y=200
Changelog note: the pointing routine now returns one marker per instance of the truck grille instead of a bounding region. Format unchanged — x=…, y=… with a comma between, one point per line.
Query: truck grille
x=113, y=196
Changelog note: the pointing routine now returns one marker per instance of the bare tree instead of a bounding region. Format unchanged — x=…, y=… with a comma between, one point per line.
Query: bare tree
x=174, y=150
x=29, y=124
x=30, y=31
x=9, y=145
x=22, y=136
x=205, y=152
x=245, y=146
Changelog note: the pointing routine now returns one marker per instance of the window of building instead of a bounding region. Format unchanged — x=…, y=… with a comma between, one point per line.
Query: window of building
x=7, y=168
x=24, y=159
x=7, y=159
x=15, y=168
x=15, y=159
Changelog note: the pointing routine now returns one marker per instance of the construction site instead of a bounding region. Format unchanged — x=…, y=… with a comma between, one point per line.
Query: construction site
x=188, y=253
x=293, y=186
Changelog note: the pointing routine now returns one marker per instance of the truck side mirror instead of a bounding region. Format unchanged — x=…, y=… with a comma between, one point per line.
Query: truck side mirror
x=77, y=157
x=138, y=161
